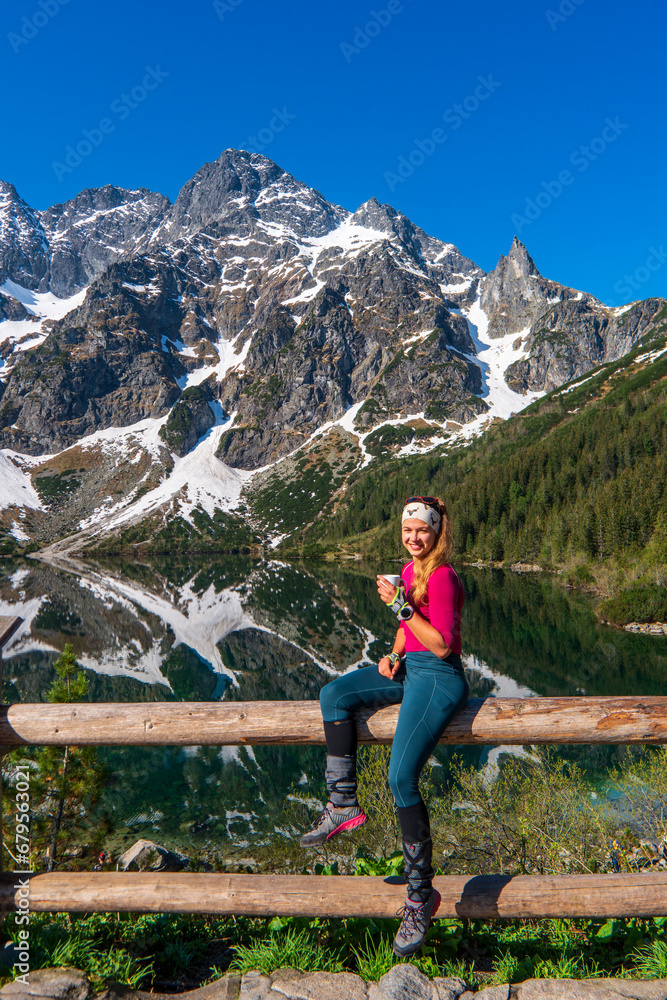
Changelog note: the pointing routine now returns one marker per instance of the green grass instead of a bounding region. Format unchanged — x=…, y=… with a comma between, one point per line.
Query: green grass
x=650, y=960
x=374, y=959
x=295, y=949
x=150, y=950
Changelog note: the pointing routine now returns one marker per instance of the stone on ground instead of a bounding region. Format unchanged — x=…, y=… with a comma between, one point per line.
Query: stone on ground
x=494, y=993
x=590, y=989
x=403, y=982
x=254, y=986
x=146, y=856
x=449, y=987
x=54, y=984
x=320, y=986
x=225, y=988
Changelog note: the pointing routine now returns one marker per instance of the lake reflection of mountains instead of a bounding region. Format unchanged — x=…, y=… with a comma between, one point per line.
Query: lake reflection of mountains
x=236, y=629
x=233, y=628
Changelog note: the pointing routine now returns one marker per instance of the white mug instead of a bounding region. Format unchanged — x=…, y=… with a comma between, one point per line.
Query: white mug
x=394, y=580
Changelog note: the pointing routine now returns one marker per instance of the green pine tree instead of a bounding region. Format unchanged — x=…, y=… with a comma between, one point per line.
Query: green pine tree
x=656, y=550
x=65, y=781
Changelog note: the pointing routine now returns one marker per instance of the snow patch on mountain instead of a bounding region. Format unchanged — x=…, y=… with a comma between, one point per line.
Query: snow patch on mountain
x=199, y=480
x=494, y=355
x=23, y=335
x=231, y=359
x=45, y=305
x=16, y=489
x=26, y=334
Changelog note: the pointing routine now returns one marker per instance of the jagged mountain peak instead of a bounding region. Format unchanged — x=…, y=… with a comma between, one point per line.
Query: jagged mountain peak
x=518, y=261
x=23, y=246
x=375, y=215
x=9, y=191
x=219, y=187
x=99, y=199
x=249, y=184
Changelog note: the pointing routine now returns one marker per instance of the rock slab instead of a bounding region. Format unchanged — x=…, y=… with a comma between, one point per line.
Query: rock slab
x=320, y=986
x=450, y=987
x=52, y=984
x=403, y=982
x=589, y=989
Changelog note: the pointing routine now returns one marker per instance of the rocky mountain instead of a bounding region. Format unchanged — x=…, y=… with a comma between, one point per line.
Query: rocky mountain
x=157, y=355
x=64, y=248
x=565, y=332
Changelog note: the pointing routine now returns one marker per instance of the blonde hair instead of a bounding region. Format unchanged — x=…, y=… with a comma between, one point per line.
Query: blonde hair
x=439, y=555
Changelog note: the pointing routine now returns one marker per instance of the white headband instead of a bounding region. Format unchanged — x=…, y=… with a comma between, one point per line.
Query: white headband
x=423, y=513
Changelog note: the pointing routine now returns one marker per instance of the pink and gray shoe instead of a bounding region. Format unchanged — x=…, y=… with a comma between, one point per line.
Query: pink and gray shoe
x=331, y=821
x=415, y=921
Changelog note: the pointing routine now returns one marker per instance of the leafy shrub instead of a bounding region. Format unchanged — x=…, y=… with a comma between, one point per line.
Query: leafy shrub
x=533, y=816
x=637, y=604
x=580, y=577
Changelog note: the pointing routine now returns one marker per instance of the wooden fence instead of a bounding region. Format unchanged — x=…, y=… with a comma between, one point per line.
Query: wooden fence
x=505, y=721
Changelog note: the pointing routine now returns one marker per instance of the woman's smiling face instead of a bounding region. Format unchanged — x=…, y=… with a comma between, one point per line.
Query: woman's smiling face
x=418, y=538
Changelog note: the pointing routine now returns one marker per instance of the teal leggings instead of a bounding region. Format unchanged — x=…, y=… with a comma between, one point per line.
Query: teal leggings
x=429, y=690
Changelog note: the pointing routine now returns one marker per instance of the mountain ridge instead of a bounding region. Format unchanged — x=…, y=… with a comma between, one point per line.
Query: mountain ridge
x=249, y=316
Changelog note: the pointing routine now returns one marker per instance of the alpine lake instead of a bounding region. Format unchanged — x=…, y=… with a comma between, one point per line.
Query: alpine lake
x=230, y=628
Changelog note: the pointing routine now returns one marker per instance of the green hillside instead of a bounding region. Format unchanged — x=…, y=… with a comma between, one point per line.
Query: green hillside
x=578, y=481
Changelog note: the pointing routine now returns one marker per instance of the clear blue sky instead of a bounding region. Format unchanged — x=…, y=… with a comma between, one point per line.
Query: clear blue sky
x=360, y=104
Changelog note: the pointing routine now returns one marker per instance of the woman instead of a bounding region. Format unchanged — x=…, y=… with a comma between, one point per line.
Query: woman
x=423, y=673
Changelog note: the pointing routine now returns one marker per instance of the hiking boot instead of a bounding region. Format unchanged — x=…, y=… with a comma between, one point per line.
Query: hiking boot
x=333, y=820
x=415, y=920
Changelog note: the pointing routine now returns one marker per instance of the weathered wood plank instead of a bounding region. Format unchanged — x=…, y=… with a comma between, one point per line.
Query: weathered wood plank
x=533, y=896
x=8, y=625
x=512, y=721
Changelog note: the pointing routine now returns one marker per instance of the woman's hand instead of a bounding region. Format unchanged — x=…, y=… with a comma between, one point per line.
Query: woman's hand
x=386, y=669
x=386, y=590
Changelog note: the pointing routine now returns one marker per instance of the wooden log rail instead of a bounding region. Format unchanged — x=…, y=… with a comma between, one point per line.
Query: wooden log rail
x=482, y=896
x=499, y=721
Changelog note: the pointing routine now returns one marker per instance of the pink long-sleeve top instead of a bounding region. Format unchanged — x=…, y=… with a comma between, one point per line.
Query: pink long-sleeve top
x=442, y=607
